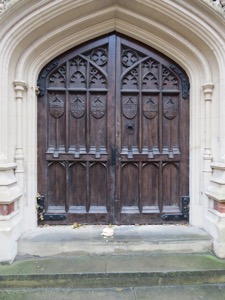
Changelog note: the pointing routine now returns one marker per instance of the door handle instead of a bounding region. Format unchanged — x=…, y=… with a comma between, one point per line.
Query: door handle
x=113, y=158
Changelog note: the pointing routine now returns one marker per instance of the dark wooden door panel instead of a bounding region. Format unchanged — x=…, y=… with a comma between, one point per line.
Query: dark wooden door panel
x=152, y=118
x=113, y=133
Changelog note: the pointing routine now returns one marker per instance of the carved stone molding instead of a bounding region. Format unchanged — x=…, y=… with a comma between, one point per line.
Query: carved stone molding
x=208, y=90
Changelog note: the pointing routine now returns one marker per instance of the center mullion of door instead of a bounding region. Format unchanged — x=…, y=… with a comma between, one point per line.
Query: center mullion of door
x=111, y=124
x=117, y=204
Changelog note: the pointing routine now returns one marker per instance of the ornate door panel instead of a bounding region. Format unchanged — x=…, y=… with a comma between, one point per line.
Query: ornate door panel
x=112, y=134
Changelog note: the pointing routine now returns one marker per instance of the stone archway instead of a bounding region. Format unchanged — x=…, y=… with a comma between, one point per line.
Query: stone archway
x=189, y=33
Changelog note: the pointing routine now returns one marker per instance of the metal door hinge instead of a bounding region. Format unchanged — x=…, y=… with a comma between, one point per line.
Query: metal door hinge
x=184, y=215
x=42, y=216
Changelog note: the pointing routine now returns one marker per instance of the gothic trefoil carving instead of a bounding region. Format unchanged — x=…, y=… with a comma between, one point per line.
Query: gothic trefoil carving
x=97, y=79
x=130, y=81
x=77, y=107
x=169, y=80
x=78, y=62
x=148, y=78
x=58, y=77
x=150, y=64
x=99, y=56
x=150, y=74
x=78, y=78
x=129, y=57
x=56, y=107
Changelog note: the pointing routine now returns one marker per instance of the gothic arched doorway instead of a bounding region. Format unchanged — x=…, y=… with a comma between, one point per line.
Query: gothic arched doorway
x=113, y=134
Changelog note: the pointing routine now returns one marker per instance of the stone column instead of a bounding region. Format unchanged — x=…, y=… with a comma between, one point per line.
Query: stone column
x=207, y=156
x=20, y=87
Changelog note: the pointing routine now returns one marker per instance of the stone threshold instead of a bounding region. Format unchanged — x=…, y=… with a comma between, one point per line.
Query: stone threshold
x=90, y=239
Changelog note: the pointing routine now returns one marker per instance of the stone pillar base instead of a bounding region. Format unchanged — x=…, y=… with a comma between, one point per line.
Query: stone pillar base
x=216, y=210
x=10, y=212
x=219, y=240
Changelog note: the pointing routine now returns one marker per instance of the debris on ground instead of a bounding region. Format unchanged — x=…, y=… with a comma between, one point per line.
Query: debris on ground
x=109, y=231
x=76, y=225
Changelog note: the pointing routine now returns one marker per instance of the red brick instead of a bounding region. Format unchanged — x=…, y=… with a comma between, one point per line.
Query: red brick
x=219, y=206
x=6, y=209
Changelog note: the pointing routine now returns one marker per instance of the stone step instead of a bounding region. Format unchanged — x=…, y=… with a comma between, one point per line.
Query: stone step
x=65, y=240
x=206, y=292
x=193, y=292
x=113, y=270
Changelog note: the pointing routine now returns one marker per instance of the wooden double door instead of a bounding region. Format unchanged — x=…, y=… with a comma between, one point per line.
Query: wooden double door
x=113, y=134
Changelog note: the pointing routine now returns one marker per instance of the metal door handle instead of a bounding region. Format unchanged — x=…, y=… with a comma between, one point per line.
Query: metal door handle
x=113, y=158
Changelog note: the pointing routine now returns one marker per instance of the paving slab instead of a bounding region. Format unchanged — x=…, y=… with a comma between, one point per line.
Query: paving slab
x=57, y=240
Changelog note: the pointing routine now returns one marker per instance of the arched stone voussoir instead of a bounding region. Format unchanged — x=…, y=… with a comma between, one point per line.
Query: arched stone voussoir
x=45, y=29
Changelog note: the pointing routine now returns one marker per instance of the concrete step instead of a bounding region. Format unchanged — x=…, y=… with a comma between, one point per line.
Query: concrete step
x=65, y=240
x=113, y=270
x=206, y=292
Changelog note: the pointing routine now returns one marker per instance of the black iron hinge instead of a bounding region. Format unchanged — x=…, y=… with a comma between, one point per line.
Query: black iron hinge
x=42, y=216
x=184, y=215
